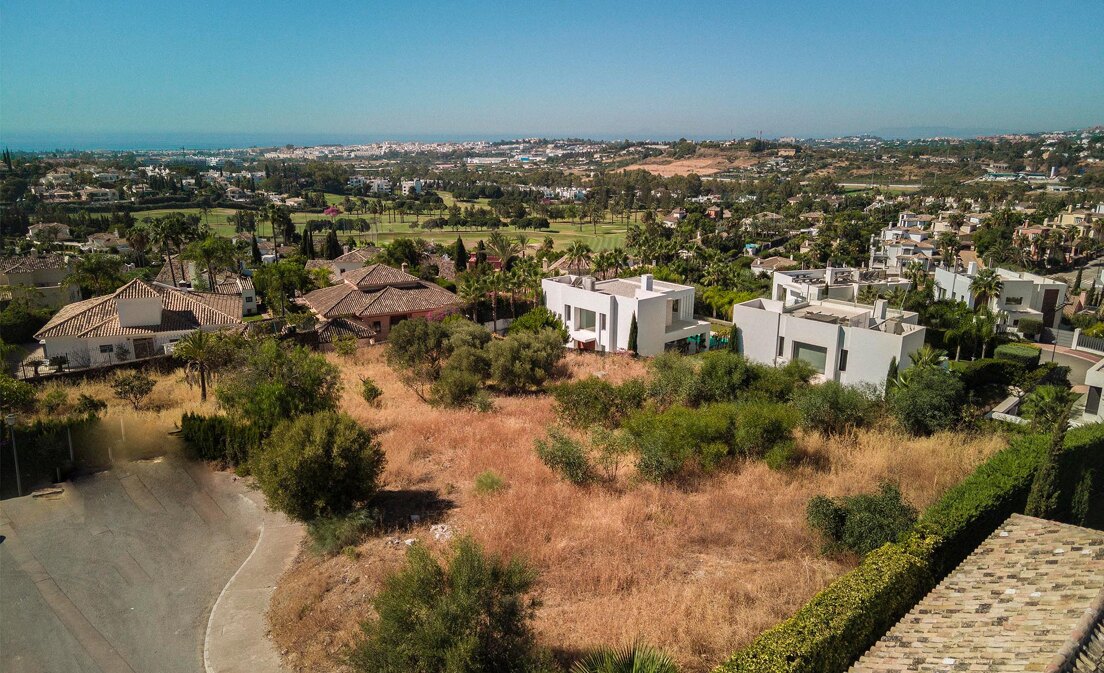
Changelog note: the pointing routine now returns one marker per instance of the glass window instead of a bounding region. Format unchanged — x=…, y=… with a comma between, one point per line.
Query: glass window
x=567, y=313
x=843, y=360
x=817, y=356
x=781, y=346
x=107, y=349
x=1013, y=301
x=602, y=321
x=587, y=319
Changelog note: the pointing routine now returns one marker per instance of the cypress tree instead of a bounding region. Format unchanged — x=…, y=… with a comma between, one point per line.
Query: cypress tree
x=632, y=335
x=461, y=255
x=305, y=244
x=480, y=253
x=256, y=250
x=1077, y=281
x=891, y=376
x=332, y=248
x=734, y=338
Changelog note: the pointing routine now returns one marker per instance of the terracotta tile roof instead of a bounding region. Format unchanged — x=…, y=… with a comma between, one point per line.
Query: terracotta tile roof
x=359, y=254
x=27, y=263
x=1015, y=604
x=182, y=310
x=226, y=282
x=364, y=293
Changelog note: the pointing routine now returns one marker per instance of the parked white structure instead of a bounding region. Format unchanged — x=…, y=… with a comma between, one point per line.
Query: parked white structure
x=598, y=313
x=845, y=283
x=1022, y=295
x=845, y=342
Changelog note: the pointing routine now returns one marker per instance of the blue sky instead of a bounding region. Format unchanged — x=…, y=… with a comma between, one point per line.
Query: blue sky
x=642, y=68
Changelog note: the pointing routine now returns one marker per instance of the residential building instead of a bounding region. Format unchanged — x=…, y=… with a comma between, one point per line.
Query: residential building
x=98, y=195
x=1028, y=598
x=844, y=283
x=379, y=297
x=851, y=343
x=1087, y=222
x=188, y=275
x=106, y=242
x=896, y=247
x=349, y=261
x=49, y=232
x=599, y=314
x=909, y=220
x=38, y=278
x=138, y=320
x=769, y=265
x=1022, y=295
x=411, y=187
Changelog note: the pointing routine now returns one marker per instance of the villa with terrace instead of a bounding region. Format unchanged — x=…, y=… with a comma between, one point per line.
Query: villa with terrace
x=599, y=314
x=843, y=283
x=844, y=341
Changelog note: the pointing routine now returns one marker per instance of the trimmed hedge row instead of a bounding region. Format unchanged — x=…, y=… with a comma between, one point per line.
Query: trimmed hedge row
x=1023, y=354
x=844, y=620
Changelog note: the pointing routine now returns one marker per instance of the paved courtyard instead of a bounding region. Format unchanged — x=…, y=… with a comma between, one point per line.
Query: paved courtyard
x=120, y=572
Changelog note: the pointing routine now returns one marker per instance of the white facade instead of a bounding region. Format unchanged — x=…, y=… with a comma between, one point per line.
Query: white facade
x=598, y=314
x=895, y=247
x=850, y=343
x=1022, y=295
x=795, y=287
x=411, y=185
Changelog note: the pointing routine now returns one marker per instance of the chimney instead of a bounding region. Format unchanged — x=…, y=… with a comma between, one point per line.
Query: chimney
x=404, y=267
x=971, y=270
x=646, y=281
x=345, y=249
x=881, y=307
x=588, y=283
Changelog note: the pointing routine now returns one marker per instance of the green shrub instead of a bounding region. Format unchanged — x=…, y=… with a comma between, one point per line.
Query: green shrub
x=763, y=426
x=979, y=374
x=369, y=391
x=332, y=534
x=1025, y=355
x=672, y=379
x=929, y=400
x=1030, y=327
x=566, y=457
x=463, y=332
x=219, y=438
x=524, y=360
x=781, y=456
x=488, y=482
x=318, y=465
x=669, y=441
x=538, y=319
x=88, y=405
x=861, y=523
x=832, y=408
x=345, y=345
x=841, y=622
x=723, y=376
x=454, y=388
x=15, y=394
x=780, y=384
x=53, y=400
x=594, y=401
x=1046, y=374
x=132, y=387
x=469, y=616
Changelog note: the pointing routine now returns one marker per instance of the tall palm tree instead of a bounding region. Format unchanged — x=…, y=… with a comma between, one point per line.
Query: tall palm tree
x=502, y=247
x=470, y=289
x=985, y=285
x=1047, y=406
x=578, y=254
x=199, y=350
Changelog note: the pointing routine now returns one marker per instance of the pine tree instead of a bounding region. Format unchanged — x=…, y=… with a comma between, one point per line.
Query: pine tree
x=632, y=335
x=461, y=255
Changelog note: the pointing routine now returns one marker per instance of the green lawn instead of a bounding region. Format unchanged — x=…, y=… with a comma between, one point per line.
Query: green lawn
x=606, y=235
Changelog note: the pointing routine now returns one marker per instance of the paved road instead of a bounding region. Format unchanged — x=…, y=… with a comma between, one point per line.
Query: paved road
x=119, y=573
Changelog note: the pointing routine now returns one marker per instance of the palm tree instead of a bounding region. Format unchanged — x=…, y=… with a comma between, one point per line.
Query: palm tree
x=868, y=295
x=985, y=328
x=601, y=264
x=470, y=289
x=578, y=254
x=985, y=285
x=915, y=273
x=1047, y=406
x=523, y=242
x=500, y=245
x=199, y=351
x=926, y=356
x=635, y=658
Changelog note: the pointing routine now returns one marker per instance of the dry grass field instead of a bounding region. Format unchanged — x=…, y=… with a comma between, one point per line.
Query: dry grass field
x=703, y=163
x=698, y=570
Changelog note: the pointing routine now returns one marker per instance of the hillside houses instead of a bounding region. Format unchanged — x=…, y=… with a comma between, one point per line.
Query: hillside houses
x=1022, y=295
x=38, y=278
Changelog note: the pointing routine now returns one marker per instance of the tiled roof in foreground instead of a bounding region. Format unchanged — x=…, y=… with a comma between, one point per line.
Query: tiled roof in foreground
x=1025, y=600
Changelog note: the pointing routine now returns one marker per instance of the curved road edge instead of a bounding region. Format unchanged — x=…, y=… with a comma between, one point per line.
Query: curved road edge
x=237, y=632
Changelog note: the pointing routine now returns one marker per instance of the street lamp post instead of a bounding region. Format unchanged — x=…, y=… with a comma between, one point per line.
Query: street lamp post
x=10, y=418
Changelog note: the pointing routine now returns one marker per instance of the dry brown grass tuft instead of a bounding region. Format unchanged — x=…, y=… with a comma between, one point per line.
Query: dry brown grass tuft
x=698, y=571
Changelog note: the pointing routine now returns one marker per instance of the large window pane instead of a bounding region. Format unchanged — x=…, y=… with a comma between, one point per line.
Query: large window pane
x=817, y=356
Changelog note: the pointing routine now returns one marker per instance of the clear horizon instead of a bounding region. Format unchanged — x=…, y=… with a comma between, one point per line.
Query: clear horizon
x=117, y=74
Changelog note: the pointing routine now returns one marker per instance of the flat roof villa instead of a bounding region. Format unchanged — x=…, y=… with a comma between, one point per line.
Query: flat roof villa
x=843, y=341
x=830, y=283
x=598, y=314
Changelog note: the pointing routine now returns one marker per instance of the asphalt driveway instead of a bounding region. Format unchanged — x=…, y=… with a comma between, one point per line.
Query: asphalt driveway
x=119, y=573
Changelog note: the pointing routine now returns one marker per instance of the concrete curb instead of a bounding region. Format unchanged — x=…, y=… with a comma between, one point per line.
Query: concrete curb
x=237, y=633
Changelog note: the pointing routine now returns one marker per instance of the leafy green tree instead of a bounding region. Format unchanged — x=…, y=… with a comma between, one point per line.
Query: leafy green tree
x=332, y=247
x=417, y=349
x=278, y=282
x=274, y=382
x=212, y=252
x=861, y=523
x=927, y=400
x=318, y=464
x=15, y=395
x=471, y=615
x=537, y=319
x=133, y=387
x=97, y=274
x=524, y=360
x=460, y=255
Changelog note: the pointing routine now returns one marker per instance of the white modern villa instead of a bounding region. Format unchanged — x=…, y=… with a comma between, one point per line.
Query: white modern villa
x=1022, y=295
x=843, y=341
x=598, y=313
x=831, y=283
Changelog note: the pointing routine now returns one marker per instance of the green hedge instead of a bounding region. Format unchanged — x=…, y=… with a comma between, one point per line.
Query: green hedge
x=978, y=374
x=844, y=620
x=218, y=438
x=1023, y=354
x=840, y=623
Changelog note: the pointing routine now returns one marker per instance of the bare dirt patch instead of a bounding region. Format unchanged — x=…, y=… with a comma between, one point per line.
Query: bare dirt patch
x=703, y=163
x=697, y=570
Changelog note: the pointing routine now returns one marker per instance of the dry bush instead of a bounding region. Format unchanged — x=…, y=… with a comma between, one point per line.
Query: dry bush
x=697, y=570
